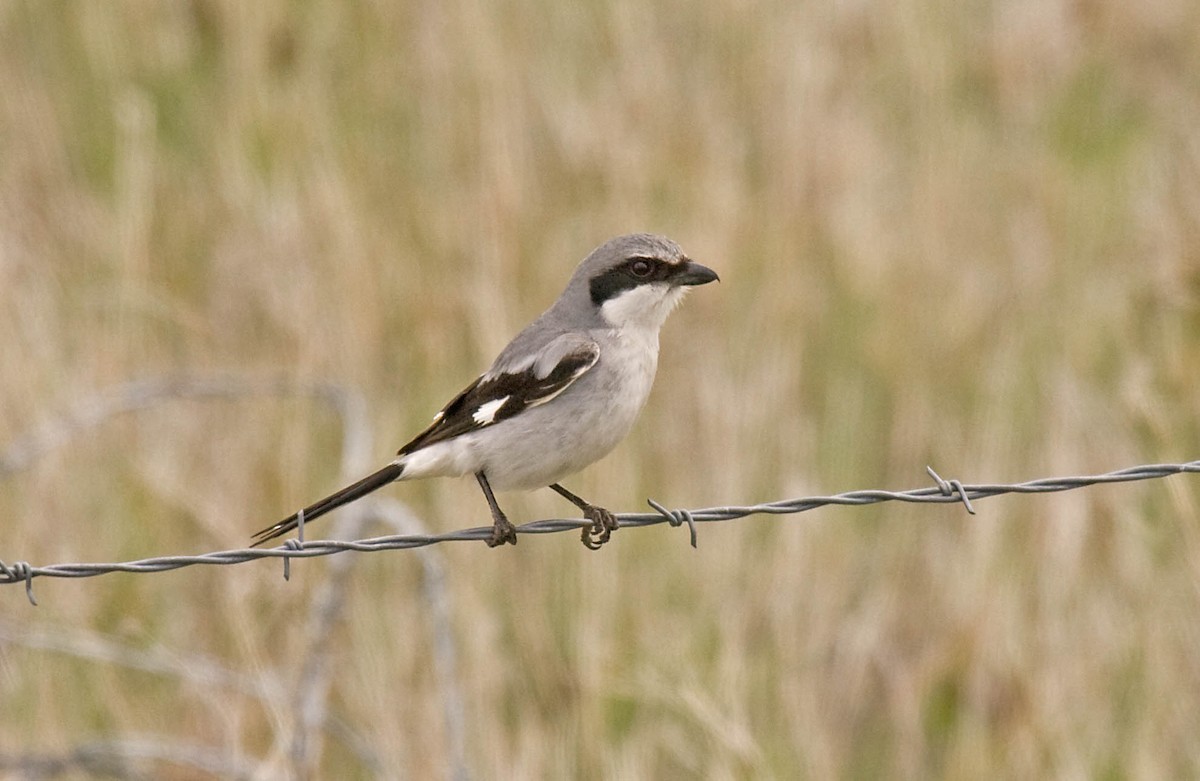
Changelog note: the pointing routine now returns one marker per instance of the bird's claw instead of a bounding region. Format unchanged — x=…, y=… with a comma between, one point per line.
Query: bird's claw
x=603, y=525
x=502, y=531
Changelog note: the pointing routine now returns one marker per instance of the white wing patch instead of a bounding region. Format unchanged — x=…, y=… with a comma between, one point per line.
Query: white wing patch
x=487, y=411
x=502, y=394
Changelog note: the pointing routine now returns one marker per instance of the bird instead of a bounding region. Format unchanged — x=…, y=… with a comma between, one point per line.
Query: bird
x=561, y=395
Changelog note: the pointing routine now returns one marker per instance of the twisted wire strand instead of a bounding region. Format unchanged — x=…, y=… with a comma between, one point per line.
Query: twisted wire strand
x=944, y=491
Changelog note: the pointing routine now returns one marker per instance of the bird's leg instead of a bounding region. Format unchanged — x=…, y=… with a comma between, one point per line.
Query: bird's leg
x=603, y=522
x=502, y=530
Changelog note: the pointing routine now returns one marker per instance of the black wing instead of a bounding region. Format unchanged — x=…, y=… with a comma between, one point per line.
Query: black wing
x=496, y=397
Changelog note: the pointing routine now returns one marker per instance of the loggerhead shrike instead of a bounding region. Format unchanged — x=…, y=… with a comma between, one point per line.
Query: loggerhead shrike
x=561, y=395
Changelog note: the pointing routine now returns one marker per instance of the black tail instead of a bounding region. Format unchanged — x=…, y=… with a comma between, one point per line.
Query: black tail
x=332, y=502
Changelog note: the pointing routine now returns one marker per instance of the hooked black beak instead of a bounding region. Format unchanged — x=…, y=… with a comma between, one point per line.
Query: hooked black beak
x=692, y=273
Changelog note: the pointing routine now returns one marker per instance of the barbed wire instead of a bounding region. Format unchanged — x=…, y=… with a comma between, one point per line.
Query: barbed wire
x=944, y=491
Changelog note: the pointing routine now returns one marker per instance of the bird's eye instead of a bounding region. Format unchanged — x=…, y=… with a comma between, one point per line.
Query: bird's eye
x=641, y=267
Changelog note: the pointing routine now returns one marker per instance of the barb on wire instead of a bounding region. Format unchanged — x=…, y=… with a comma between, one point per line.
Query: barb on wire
x=943, y=492
x=311, y=692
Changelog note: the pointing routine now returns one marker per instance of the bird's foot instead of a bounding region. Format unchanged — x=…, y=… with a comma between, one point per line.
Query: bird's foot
x=603, y=525
x=502, y=531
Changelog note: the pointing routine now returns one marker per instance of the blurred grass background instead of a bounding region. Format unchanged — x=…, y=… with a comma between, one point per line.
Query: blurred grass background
x=958, y=234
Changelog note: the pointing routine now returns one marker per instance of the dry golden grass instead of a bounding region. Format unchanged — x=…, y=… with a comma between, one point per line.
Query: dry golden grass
x=958, y=234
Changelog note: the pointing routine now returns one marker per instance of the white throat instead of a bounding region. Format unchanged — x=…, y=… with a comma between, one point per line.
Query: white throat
x=644, y=307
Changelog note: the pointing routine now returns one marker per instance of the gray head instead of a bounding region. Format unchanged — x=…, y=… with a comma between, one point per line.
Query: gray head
x=634, y=280
x=630, y=282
